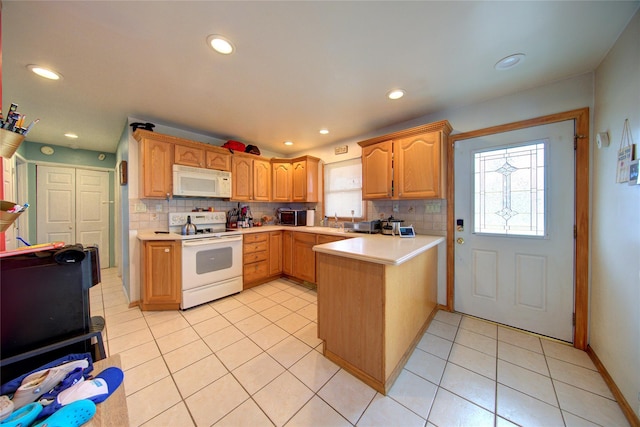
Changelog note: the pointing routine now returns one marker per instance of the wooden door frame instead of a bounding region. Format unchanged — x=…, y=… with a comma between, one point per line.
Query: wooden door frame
x=581, y=248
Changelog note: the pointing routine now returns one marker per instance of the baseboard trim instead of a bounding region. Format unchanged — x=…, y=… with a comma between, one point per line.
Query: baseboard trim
x=628, y=412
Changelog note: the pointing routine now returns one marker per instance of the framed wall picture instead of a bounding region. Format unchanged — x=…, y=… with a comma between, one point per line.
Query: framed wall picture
x=634, y=178
x=122, y=169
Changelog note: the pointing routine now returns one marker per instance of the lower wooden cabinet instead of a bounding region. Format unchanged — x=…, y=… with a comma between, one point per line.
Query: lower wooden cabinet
x=287, y=253
x=298, y=257
x=275, y=253
x=262, y=260
x=161, y=268
x=304, y=259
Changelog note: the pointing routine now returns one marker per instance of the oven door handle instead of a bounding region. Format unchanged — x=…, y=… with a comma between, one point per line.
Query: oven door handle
x=202, y=242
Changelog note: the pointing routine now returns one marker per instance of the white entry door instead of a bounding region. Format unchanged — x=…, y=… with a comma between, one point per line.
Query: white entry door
x=514, y=210
x=56, y=204
x=73, y=207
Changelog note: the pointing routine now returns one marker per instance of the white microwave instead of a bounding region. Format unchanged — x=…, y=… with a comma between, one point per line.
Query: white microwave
x=201, y=182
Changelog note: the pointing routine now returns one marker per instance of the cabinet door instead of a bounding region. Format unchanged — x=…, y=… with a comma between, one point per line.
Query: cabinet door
x=188, y=156
x=417, y=166
x=305, y=182
x=275, y=253
x=287, y=253
x=241, y=178
x=299, y=184
x=282, y=180
x=377, y=172
x=161, y=288
x=217, y=160
x=261, y=180
x=156, y=163
x=304, y=259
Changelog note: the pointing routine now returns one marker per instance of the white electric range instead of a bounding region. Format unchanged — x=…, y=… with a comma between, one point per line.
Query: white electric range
x=211, y=259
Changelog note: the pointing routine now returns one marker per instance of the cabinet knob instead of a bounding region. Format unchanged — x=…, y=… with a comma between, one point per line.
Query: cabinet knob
x=167, y=250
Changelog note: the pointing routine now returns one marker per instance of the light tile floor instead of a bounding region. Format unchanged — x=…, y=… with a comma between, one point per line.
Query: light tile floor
x=254, y=359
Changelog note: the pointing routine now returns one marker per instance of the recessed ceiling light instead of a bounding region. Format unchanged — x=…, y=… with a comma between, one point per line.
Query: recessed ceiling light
x=288, y=143
x=44, y=72
x=220, y=44
x=71, y=135
x=395, y=94
x=324, y=131
x=509, y=61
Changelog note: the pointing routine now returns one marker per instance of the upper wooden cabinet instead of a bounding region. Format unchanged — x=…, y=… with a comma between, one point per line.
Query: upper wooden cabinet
x=158, y=154
x=377, y=171
x=156, y=160
x=251, y=178
x=217, y=158
x=410, y=164
x=188, y=156
x=306, y=180
x=282, y=180
x=201, y=155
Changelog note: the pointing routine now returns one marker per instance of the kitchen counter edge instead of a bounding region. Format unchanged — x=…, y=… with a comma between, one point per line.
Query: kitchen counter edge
x=375, y=248
x=379, y=249
x=151, y=234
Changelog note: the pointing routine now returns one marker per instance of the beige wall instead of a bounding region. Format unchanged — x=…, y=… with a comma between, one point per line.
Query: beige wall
x=615, y=227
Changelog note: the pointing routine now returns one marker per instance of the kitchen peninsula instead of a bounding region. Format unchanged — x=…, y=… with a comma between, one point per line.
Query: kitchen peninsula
x=376, y=297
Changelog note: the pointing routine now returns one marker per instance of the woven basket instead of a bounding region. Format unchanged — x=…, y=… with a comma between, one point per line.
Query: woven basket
x=9, y=143
x=6, y=219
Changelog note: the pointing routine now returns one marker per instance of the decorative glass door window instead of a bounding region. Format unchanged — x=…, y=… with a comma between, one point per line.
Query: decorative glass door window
x=509, y=190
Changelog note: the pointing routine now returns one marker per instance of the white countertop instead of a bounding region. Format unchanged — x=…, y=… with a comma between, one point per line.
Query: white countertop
x=380, y=249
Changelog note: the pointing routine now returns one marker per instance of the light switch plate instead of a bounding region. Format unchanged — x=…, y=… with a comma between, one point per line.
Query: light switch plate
x=141, y=207
x=432, y=207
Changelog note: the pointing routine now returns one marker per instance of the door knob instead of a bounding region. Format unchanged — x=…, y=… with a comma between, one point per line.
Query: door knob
x=460, y=241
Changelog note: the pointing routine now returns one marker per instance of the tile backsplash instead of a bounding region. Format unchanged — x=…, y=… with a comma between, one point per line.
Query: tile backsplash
x=426, y=216
x=152, y=214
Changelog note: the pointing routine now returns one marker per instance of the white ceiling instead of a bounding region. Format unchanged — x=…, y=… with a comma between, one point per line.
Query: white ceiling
x=298, y=67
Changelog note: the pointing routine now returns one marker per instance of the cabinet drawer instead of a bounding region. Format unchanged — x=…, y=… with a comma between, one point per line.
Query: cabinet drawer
x=249, y=248
x=255, y=257
x=255, y=237
x=255, y=271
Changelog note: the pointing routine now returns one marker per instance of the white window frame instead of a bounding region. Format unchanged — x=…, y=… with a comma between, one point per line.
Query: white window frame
x=330, y=191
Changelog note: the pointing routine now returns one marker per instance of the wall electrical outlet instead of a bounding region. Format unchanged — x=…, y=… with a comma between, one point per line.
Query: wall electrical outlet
x=396, y=208
x=158, y=208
